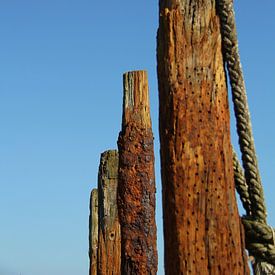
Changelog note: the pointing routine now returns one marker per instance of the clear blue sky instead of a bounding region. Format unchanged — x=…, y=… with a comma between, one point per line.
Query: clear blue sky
x=61, y=65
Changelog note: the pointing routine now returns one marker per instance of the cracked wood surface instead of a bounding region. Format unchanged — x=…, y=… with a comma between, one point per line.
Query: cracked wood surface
x=202, y=229
x=109, y=239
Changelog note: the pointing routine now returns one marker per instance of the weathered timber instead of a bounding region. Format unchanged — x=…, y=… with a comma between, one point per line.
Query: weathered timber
x=109, y=242
x=93, y=232
x=202, y=229
x=136, y=184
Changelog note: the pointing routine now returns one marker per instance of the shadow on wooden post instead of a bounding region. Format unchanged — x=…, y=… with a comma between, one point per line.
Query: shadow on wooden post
x=136, y=184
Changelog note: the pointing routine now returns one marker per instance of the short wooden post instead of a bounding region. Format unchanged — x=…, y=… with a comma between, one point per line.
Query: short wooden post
x=109, y=241
x=136, y=185
x=93, y=232
x=201, y=222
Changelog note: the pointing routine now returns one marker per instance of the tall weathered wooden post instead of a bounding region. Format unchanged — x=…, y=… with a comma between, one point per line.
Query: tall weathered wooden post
x=109, y=240
x=201, y=223
x=136, y=184
x=104, y=228
x=93, y=232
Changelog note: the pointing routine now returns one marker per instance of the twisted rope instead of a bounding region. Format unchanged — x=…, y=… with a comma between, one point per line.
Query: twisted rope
x=244, y=129
x=264, y=254
x=263, y=268
x=260, y=238
x=240, y=184
x=258, y=232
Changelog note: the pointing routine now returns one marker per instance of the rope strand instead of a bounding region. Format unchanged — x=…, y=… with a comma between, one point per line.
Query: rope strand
x=259, y=236
x=244, y=129
x=240, y=184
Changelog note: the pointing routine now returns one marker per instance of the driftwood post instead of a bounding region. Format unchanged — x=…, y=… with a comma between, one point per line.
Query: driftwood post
x=93, y=232
x=136, y=186
x=201, y=223
x=109, y=241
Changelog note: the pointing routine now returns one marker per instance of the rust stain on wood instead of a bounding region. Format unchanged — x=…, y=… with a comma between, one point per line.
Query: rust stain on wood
x=136, y=187
x=201, y=221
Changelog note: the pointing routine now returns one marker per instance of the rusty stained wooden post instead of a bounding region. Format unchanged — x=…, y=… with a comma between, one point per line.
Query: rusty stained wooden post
x=93, y=232
x=136, y=186
x=109, y=240
x=202, y=228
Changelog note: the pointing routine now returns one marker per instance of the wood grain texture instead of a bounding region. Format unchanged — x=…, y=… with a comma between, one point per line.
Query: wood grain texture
x=202, y=229
x=109, y=242
x=136, y=187
x=93, y=232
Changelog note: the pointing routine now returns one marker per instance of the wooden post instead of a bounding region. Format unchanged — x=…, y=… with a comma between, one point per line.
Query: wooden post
x=93, y=232
x=136, y=186
x=109, y=243
x=201, y=223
